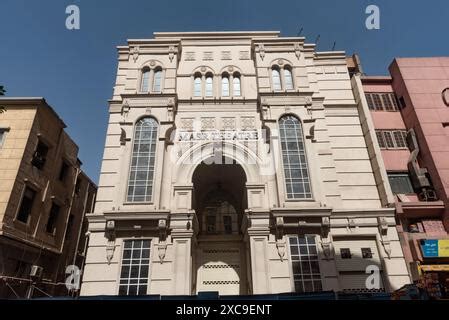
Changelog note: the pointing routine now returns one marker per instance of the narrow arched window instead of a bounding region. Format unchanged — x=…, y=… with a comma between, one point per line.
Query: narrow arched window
x=157, y=81
x=197, y=86
x=288, y=79
x=209, y=86
x=236, y=86
x=225, y=86
x=276, y=79
x=296, y=172
x=145, y=85
x=140, y=184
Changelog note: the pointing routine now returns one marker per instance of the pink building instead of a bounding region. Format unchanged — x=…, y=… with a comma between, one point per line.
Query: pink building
x=410, y=114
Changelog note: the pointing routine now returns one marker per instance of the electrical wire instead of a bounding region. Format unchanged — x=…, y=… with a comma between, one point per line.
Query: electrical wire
x=48, y=295
x=15, y=293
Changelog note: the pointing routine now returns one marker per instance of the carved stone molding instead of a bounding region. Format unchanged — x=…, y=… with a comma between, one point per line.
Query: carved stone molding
x=163, y=229
x=247, y=123
x=351, y=225
x=125, y=108
x=171, y=53
x=279, y=227
x=261, y=50
x=228, y=123
x=161, y=250
x=297, y=50
x=308, y=101
x=207, y=123
x=327, y=247
x=311, y=134
x=162, y=245
x=383, y=230
x=110, y=249
x=122, y=136
x=286, y=101
x=325, y=226
x=280, y=242
x=281, y=247
x=186, y=124
x=110, y=235
x=135, y=53
x=139, y=101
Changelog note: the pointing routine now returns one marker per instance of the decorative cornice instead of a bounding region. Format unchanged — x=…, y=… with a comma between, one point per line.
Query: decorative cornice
x=301, y=212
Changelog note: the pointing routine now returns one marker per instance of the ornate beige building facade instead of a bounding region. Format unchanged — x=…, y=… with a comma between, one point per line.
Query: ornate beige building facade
x=236, y=162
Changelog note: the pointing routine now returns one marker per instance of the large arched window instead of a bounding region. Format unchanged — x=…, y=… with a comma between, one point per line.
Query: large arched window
x=288, y=78
x=236, y=85
x=140, y=185
x=197, y=85
x=296, y=172
x=276, y=79
x=145, y=82
x=209, y=85
x=157, y=80
x=225, y=85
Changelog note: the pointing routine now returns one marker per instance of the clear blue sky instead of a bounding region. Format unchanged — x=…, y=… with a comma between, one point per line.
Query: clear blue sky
x=75, y=70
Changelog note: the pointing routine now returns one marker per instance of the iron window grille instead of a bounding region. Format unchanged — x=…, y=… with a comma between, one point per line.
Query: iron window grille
x=382, y=101
x=26, y=206
x=53, y=218
x=367, y=253
x=40, y=155
x=345, y=253
x=392, y=139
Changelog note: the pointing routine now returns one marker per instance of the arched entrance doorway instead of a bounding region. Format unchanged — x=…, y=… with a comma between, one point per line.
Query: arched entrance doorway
x=219, y=200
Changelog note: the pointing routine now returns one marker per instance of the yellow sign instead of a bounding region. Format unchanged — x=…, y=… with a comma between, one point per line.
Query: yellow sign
x=443, y=248
x=435, y=267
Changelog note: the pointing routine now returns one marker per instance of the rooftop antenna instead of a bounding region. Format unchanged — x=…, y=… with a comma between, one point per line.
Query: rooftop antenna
x=317, y=39
x=300, y=31
x=333, y=47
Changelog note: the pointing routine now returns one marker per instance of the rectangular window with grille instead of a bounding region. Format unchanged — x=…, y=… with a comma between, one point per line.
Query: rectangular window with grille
x=53, y=218
x=369, y=99
x=296, y=173
x=40, y=155
x=227, y=222
x=400, y=183
x=211, y=223
x=305, y=264
x=399, y=139
x=392, y=139
x=382, y=101
x=389, y=141
x=135, y=269
x=26, y=205
x=377, y=102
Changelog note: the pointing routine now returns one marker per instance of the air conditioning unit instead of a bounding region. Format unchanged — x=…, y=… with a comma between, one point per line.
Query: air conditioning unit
x=36, y=271
x=428, y=195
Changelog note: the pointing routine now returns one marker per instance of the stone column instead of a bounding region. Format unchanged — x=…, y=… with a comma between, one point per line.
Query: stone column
x=182, y=234
x=258, y=232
